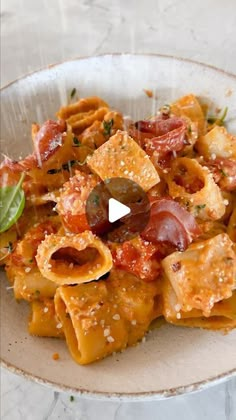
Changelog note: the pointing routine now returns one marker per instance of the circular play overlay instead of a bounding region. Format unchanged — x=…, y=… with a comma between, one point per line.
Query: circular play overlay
x=117, y=209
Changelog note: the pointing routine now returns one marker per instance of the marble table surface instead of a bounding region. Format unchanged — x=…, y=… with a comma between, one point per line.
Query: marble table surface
x=38, y=33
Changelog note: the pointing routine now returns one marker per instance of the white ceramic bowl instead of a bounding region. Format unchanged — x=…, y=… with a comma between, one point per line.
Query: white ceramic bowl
x=172, y=360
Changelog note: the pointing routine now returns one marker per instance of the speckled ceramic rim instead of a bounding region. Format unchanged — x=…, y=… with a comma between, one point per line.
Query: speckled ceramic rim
x=172, y=57
x=151, y=395
x=128, y=397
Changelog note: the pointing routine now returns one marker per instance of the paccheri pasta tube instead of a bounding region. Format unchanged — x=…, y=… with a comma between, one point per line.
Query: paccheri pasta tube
x=31, y=285
x=217, y=143
x=122, y=157
x=194, y=186
x=73, y=259
x=102, y=317
x=43, y=320
x=83, y=113
x=189, y=106
x=203, y=274
x=221, y=317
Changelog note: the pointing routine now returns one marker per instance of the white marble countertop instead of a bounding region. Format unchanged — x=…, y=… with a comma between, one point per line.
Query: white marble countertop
x=38, y=33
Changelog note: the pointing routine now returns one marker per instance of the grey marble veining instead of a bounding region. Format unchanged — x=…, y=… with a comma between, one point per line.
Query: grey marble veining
x=35, y=34
x=38, y=33
x=23, y=400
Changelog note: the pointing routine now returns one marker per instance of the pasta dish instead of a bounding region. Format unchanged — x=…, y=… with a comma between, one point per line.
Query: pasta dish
x=87, y=282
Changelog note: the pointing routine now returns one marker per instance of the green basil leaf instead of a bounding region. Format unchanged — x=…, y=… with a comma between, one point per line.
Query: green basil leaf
x=12, y=203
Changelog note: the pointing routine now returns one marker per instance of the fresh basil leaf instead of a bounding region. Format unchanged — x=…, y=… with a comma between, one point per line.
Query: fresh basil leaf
x=12, y=203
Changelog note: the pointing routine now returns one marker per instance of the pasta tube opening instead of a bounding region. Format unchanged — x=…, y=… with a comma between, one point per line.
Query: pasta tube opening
x=190, y=178
x=193, y=185
x=73, y=259
x=69, y=259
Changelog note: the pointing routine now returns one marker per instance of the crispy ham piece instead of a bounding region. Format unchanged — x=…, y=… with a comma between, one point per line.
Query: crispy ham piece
x=170, y=226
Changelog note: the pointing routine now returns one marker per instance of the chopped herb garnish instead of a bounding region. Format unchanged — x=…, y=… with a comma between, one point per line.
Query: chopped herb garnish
x=211, y=120
x=72, y=398
x=37, y=292
x=187, y=205
x=223, y=116
x=76, y=142
x=73, y=92
x=96, y=200
x=218, y=120
x=223, y=172
x=31, y=260
x=66, y=166
x=189, y=129
x=107, y=125
x=53, y=171
x=9, y=247
x=200, y=207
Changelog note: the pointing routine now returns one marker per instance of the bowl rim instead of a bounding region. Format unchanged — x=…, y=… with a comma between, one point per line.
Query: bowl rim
x=106, y=395
x=118, y=54
x=119, y=396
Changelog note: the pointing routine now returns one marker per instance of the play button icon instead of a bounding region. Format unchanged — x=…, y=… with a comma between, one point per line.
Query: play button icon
x=117, y=209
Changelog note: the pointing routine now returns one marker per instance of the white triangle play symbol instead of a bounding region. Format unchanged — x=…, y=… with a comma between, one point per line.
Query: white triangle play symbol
x=116, y=210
